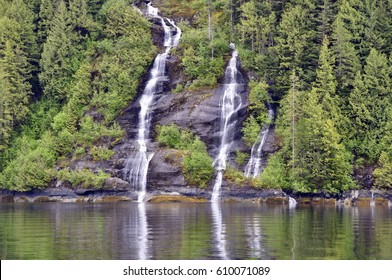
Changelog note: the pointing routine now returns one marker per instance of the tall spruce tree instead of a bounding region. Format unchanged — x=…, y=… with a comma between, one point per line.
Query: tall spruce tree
x=58, y=51
x=18, y=54
x=369, y=101
x=347, y=61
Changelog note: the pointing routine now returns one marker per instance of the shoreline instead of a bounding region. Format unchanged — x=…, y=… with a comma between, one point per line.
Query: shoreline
x=196, y=195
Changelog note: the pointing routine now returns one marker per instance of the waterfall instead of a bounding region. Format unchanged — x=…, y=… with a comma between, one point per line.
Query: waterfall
x=253, y=167
x=292, y=202
x=230, y=103
x=372, y=200
x=137, y=165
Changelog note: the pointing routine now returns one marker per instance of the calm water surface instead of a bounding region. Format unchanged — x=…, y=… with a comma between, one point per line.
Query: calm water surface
x=193, y=231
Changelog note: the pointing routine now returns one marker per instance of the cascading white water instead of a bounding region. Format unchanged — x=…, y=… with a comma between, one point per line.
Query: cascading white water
x=152, y=11
x=230, y=103
x=137, y=165
x=292, y=202
x=253, y=167
x=372, y=200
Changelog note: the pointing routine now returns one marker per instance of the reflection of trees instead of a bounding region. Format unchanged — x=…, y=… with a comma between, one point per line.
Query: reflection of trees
x=193, y=231
x=370, y=232
x=309, y=233
x=181, y=231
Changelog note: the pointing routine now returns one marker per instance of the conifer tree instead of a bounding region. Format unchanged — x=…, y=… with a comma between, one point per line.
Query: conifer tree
x=369, y=103
x=57, y=54
x=325, y=85
x=347, y=61
x=18, y=53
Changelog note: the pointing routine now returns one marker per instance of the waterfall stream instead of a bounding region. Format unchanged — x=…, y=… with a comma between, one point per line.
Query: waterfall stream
x=137, y=165
x=230, y=103
x=253, y=168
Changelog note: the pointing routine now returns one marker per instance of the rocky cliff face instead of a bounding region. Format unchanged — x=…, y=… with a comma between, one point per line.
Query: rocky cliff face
x=198, y=111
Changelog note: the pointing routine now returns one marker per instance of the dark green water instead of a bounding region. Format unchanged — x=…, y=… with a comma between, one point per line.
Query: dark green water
x=193, y=231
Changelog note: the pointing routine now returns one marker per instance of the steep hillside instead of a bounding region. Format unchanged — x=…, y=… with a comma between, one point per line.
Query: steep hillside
x=315, y=113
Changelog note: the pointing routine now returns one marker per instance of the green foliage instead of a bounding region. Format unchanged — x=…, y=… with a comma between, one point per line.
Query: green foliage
x=58, y=51
x=251, y=131
x=91, y=131
x=275, y=175
x=369, y=103
x=196, y=164
x=18, y=54
x=204, y=44
x=241, y=158
x=383, y=173
x=68, y=67
x=100, y=153
x=33, y=168
x=237, y=177
x=83, y=178
x=170, y=136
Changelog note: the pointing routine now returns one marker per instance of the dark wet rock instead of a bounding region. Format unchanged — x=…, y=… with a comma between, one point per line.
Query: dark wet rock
x=42, y=199
x=6, y=198
x=116, y=184
x=165, y=170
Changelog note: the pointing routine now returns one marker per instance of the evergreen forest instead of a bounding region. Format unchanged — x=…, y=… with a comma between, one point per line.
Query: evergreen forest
x=69, y=67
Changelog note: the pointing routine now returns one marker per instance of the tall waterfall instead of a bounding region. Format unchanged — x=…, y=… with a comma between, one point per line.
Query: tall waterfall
x=137, y=165
x=253, y=168
x=230, y=103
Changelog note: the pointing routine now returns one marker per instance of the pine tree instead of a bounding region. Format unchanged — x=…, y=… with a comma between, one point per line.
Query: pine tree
x=295, y=48
x=46, y=13
x=57, y=54
x=249, y=27
x=18, y=54
x=80, y=18
x=325, y=85
x=369, y=103
x=347, y=62
x=325, y=19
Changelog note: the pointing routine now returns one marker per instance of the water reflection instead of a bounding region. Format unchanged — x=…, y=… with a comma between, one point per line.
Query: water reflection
x=142, y=231
x=253, y=231
x=193, y=231
x=219, y=230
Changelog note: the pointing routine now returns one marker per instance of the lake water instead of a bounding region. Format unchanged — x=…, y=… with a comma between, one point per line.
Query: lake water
x=193, y=231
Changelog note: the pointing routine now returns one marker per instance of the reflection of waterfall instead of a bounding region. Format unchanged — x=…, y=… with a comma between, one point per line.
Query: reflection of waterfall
x=230, y=104
x=142, y=232
x=137, y=165
x=219, y=230
x=253, y=168
x=253, y=230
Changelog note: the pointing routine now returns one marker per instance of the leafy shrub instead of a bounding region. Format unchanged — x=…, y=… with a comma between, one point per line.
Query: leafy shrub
x=196, y=163
x=197, y=168
x=383, y=173
x=237, y=177
x=32, y=167
x=101, y=153
x=274, y=175
x=251, y=131
x=241, y=158
x=84, y=178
